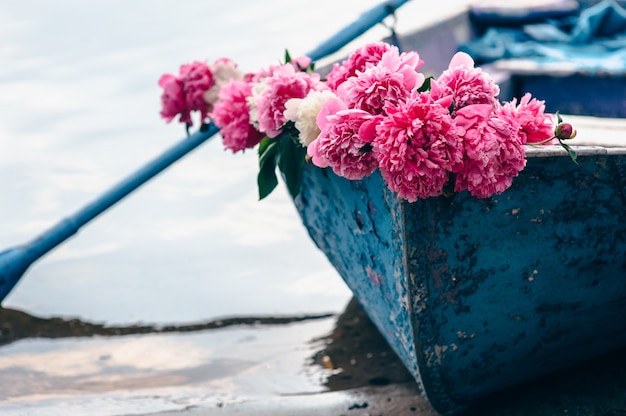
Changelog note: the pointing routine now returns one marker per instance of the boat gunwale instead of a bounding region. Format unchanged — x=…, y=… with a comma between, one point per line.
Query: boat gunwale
x=581, y=150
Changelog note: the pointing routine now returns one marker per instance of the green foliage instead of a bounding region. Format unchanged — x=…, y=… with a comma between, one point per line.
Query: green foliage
x=426, y=85
x=288, y=59
x=286, y=153
x=266, y=179
x=570, y=151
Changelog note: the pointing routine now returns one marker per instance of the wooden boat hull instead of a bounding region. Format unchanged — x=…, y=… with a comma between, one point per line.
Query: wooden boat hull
x=476, y=295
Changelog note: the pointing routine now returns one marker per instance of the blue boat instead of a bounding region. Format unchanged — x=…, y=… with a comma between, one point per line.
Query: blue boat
x=474, y=295
x=477, y=295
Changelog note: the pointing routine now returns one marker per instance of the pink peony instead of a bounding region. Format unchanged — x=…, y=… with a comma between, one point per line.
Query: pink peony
x=342, y=143
x=494, y=150
x=417, y=145
x=172, y=99
x=536, y=125
x=197, y=79
x=301, y=63
x=356, y=62
x=303, y=112
x=231, y=115
x=224, y=70
x=467, y=85
x=284, y=84
x=391, y=80
x=185, y=93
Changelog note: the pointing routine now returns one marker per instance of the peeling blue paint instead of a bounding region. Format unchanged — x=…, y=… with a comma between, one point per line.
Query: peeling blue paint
x=479, y=294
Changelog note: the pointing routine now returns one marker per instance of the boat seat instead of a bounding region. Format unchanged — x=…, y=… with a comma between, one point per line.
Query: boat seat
x=498, y=13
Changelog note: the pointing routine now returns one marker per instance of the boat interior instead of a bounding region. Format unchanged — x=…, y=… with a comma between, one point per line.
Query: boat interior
x=531, y=49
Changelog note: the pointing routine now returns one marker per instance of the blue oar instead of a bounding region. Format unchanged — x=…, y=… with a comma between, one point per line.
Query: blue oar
x=16, y=260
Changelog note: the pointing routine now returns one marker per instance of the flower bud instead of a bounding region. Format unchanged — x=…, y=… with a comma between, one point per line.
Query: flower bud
x=564, y=131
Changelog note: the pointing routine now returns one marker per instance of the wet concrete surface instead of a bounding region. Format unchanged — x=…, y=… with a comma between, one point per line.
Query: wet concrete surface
x=301, y=365
x=369, y=401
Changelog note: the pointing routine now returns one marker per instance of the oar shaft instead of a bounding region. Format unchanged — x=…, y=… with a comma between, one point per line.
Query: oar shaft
x=366, y=21
x=15, y=261
x=73, y=223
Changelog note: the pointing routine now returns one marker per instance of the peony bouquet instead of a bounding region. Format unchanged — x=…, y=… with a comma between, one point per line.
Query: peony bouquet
x=375, y=110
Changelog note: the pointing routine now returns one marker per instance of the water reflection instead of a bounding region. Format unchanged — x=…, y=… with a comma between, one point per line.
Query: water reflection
x=232, y=360
x=16, y=325
x=156, y=371
x=336, y=353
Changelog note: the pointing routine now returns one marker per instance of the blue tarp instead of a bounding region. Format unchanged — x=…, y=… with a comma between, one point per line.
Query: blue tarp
x=593, y=41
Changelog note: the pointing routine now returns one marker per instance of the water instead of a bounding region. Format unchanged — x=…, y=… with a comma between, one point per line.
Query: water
x=79, y=107
x=80, y=111
x=148, y=373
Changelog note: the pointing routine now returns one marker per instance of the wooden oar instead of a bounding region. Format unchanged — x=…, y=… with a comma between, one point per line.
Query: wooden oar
x=16, y=260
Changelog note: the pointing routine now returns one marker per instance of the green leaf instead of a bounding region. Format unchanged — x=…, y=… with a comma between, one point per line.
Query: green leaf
x=267, y=149
x=559, y=119
x=570, y=151
x=291, y=161
x=286, y=153
x=264, y=144
x=288, y=127
x=287, y=56
x=426, y=85
x=267, y=180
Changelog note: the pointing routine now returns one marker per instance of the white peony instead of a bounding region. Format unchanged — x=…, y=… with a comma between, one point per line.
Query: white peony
x=257, y=90
x=303, y=112
x=224, y=70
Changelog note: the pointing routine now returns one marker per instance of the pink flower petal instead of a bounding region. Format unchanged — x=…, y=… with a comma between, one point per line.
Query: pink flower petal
x=461, y=59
